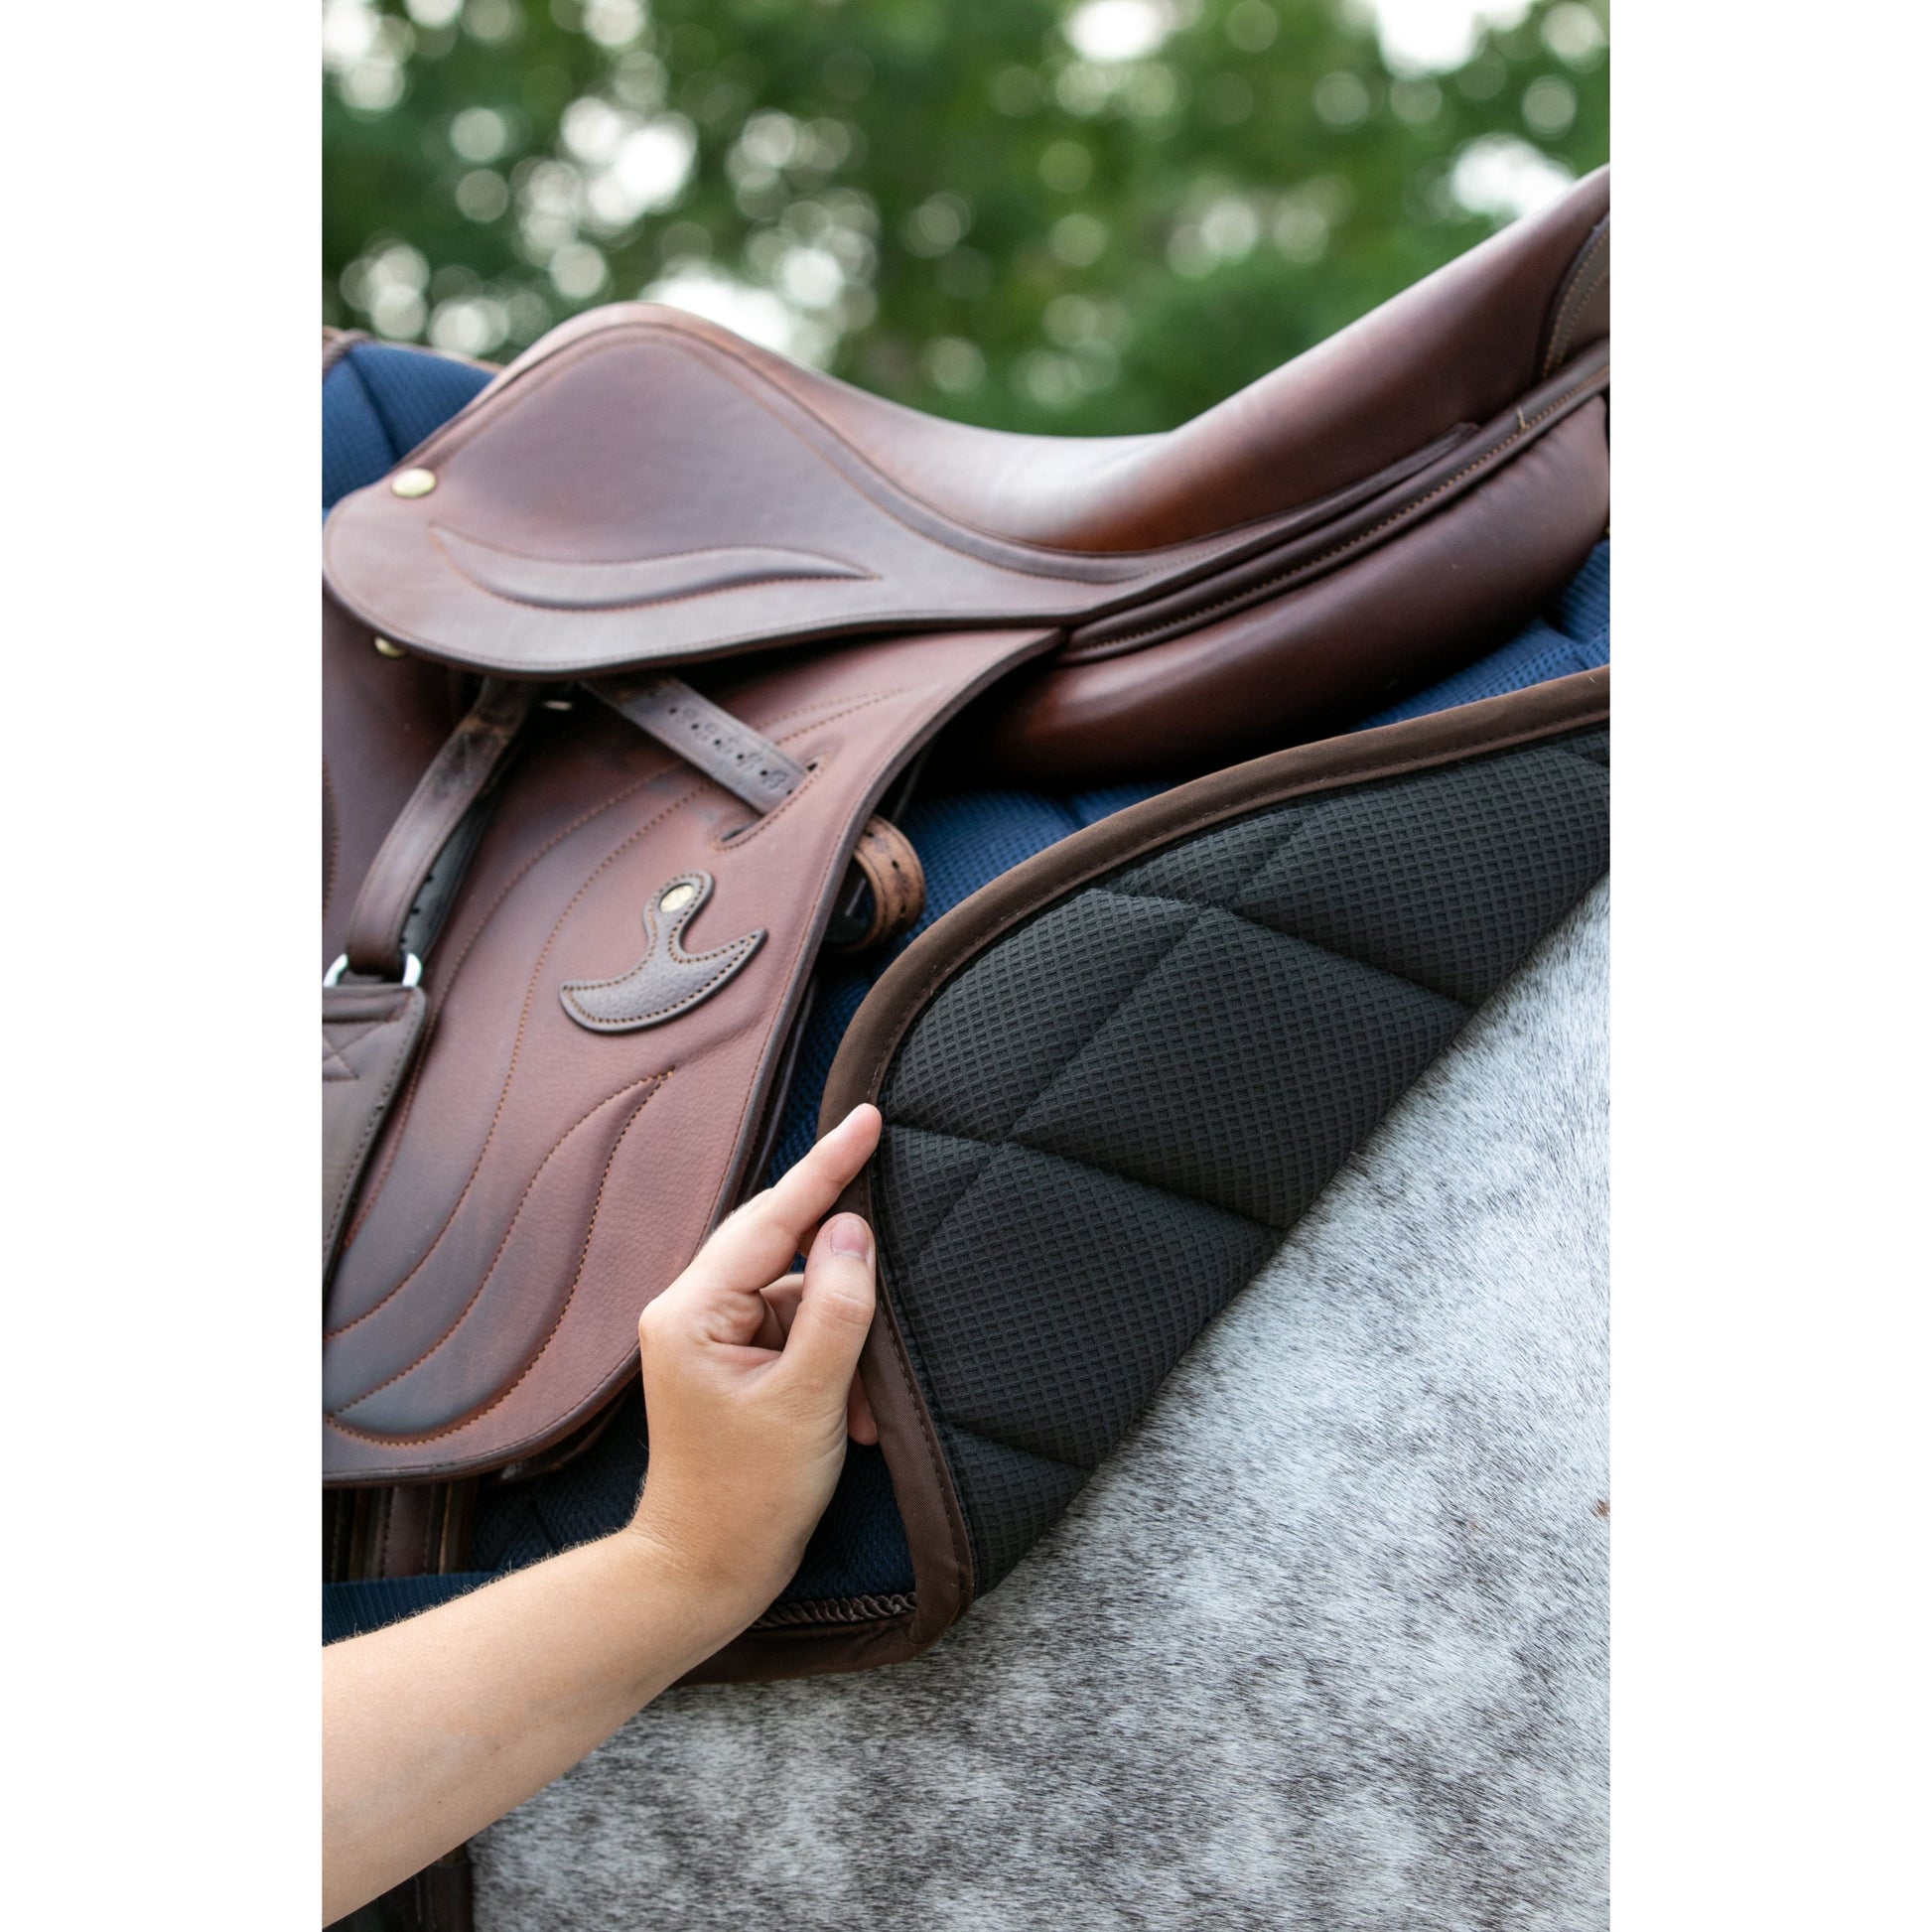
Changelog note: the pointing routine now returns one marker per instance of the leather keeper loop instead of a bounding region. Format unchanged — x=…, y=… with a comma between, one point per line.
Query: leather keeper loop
x=885, y=857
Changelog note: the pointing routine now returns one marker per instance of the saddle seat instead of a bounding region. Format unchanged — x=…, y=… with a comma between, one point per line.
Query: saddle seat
x=1457, y=348
x=645, y=487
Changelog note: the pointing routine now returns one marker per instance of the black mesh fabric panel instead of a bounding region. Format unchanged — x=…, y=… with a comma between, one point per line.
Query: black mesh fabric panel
x=1450, y=896
x=1256, y=1062
x=1102, y=1127
x=1010, y=1497
x=1058, y=1356
x=989, y=1044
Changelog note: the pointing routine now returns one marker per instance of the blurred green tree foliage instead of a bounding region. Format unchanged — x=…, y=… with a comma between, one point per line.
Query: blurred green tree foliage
x=1086, y=218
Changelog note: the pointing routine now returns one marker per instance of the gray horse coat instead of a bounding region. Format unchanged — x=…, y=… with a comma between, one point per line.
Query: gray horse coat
x=1320, y=1648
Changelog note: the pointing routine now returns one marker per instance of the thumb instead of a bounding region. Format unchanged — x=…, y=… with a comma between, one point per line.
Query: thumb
x=835, y=1309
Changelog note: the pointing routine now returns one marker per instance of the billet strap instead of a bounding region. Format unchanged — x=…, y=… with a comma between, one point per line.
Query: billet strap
x=707, y=737
x=459, y=773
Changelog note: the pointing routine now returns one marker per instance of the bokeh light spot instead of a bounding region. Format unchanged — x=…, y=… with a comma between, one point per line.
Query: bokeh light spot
x=1341, y=99
x=1549, y=107
x=953, y=364
x=1066, y=167
x=1503, y=176
x=1252, y=25
x=1117, y=29
x=483, y=194
x=1079, y=241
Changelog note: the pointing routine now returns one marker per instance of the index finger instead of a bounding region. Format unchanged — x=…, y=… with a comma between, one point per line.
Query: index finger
x=754, y=1245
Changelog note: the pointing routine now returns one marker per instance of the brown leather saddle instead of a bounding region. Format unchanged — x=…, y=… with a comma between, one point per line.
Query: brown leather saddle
x=624, y=670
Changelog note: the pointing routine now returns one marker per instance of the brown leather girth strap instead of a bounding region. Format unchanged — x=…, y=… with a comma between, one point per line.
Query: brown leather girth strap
x=459, y=773
x=704, y=736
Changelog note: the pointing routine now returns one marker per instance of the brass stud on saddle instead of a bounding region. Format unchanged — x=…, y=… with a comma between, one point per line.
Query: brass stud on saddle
x=673, y=896
x=412, y=483
x=384, y=648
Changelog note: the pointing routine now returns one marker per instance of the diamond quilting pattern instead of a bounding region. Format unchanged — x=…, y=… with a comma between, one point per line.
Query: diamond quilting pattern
x=1213, y=867
x=1060, y=1358
x=926, y=1174
x=1256, y=1062
x=1101, y=1129
x=1010, y=1497
x=999, y=1031
x=1432, y=877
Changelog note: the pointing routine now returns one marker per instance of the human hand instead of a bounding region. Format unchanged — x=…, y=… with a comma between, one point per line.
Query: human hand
x=750, y=1379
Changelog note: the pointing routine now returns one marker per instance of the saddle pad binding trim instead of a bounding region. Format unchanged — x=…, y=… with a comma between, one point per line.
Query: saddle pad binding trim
x=936, y=1523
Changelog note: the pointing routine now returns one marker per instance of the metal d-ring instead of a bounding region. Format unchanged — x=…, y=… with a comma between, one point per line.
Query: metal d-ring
x=412, y=970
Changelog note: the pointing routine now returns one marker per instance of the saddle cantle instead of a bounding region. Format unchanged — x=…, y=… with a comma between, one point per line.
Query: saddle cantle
x=614, y=888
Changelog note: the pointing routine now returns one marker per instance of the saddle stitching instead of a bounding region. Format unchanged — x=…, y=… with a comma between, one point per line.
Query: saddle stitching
x=331, y=838
x=729, y=956
x=447, y=980
x=516, y=1049
x=942, y=1477
x=504, y=1394
x=333, y=1051
x=651, y=1080
x=847, y=1612
x=1594, y=282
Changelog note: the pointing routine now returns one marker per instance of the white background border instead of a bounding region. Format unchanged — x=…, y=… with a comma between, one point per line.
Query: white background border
x=1770, y=991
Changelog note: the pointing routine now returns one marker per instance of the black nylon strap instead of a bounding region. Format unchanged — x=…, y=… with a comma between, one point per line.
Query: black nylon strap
x=727, y=750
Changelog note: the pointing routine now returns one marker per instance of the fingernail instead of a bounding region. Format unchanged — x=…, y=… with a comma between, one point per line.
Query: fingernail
x=851, y=1236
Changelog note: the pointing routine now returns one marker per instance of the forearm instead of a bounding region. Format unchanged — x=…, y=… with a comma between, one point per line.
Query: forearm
x=436, y=1726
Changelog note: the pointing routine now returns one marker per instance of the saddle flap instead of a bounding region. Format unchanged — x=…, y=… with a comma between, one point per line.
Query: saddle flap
x=606, y=1012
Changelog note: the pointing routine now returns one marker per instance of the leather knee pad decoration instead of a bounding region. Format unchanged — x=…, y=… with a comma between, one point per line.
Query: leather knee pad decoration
x=1116, y=1076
